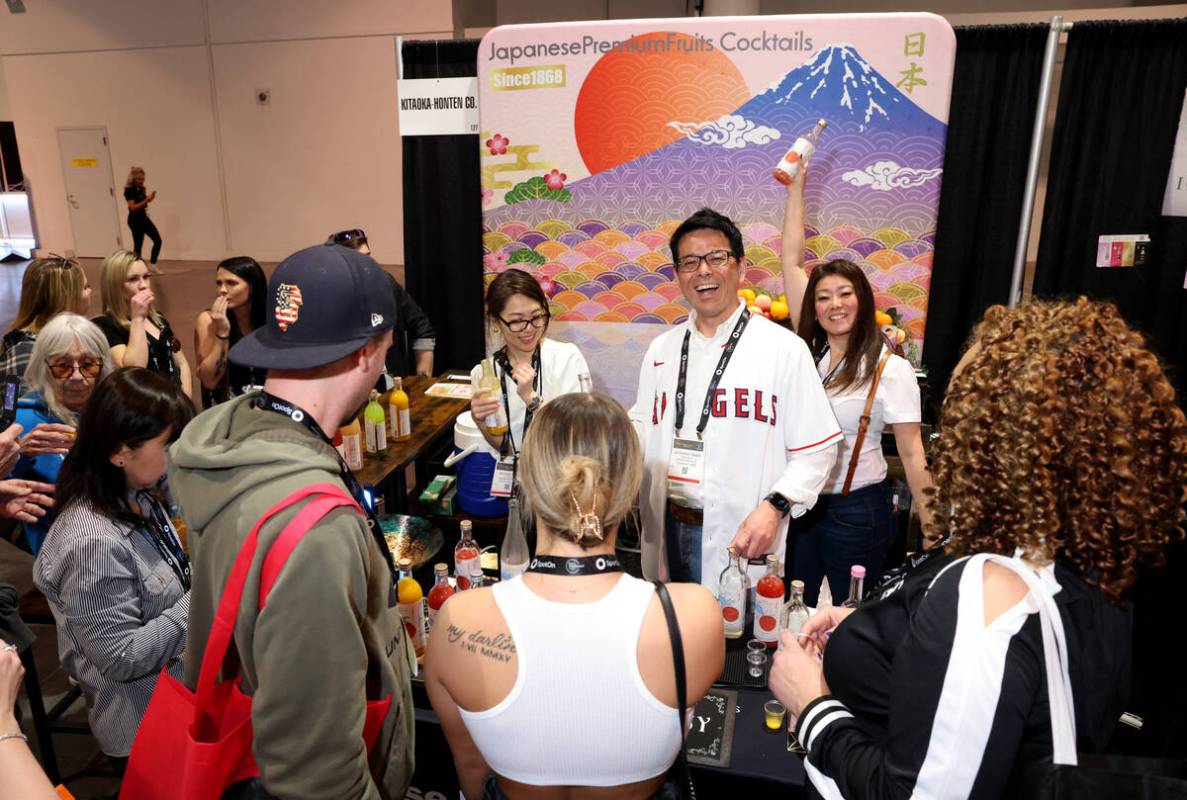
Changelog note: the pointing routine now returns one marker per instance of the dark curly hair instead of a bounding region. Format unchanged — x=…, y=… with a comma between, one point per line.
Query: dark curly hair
x=1062, y=436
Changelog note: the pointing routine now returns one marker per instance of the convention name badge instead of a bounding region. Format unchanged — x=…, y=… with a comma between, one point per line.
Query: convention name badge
x=686, y=466
x=503, y=480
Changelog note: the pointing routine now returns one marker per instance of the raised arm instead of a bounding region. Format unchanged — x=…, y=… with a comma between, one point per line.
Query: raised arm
x=795, y=279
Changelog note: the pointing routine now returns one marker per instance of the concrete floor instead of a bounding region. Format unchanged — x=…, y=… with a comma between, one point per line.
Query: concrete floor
x=183, y=289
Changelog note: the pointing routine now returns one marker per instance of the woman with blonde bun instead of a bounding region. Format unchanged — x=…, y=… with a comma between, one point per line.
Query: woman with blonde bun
x=577, y=695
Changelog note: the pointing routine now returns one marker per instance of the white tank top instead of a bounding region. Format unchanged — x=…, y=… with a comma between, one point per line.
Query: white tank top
x=579, y=713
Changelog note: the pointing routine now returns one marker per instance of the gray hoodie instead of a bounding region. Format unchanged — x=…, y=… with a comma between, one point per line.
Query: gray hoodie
x=329, y=637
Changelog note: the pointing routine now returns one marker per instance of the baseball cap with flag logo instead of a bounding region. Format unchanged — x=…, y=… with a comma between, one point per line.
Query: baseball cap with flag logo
x=323, y=302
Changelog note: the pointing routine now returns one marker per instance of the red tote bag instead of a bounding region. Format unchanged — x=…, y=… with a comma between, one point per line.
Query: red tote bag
x=192, y=746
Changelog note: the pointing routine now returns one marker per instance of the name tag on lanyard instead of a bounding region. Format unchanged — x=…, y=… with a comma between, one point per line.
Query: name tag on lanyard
x=503, y=481
x=686, y=467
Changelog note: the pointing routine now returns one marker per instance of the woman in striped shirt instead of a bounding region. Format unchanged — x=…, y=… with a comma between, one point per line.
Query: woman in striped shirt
x=112, y=567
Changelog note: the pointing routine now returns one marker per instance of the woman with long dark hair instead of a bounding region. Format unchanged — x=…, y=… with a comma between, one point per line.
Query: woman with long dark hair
x=852, y=523
x=532, y=368
x=238, y=309
x=113, y=567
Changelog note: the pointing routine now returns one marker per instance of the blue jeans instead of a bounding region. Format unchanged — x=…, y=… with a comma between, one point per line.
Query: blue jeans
x=682, y=542
x=837, y=533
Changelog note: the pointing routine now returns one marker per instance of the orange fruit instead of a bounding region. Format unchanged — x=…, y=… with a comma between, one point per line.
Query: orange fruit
x=779, y=310
x=748, y=295
x=882, y=318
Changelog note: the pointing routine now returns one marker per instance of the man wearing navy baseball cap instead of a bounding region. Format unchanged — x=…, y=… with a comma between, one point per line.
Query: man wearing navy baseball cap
x=329, y=644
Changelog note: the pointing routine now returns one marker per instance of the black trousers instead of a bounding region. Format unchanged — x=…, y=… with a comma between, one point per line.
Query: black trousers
x=141, y=227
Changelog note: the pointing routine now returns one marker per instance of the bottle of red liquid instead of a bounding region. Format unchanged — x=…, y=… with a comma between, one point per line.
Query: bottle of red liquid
x=768, y=598
x=465, y=555
x=440, y=592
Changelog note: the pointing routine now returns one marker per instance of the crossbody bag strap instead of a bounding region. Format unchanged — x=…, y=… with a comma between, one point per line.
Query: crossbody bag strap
x=665, y=600
x=864, y=424
x=222, y=630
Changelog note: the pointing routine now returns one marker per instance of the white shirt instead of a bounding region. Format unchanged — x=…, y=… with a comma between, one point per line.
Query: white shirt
x=561, y=368
x=897, y=400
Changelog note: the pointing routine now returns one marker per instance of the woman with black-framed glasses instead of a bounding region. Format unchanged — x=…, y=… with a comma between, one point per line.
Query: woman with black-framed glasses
x=69, y=357
x=531, y=367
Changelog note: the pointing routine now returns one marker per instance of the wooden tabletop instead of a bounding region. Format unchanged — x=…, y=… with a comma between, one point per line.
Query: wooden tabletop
x=431, y=416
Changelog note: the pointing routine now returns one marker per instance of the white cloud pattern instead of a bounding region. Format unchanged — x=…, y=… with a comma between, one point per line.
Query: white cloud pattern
x=884, y=176
x=731, y=131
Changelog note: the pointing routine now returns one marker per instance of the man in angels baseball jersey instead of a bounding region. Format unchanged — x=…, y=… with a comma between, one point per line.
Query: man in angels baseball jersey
x=736, y=429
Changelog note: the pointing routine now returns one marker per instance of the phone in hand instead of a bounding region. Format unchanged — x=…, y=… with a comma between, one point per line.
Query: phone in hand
x=11, y=389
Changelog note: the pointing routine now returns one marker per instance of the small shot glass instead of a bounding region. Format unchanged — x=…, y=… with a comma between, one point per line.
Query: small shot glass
x=756, y=662
x=755, y=646
x=773, y=715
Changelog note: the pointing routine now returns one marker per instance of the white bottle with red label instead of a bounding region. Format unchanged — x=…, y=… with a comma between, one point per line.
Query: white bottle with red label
x=731, y=595
x=767, y=599
x=799, y=154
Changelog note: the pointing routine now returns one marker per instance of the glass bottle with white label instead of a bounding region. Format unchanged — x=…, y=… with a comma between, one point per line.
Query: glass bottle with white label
x=794, y=613
x=767, y=598
x=731, y=595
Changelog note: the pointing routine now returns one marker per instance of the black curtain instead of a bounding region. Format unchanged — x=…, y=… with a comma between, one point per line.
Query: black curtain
x=12, y=158
x=1119, y=105
x=995, y=88
x=443, y=215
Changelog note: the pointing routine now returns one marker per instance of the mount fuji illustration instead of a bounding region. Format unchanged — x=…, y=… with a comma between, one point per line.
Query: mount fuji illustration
x=840, y=86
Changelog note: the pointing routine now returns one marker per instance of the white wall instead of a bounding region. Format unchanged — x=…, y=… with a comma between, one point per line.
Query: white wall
x=233, y=176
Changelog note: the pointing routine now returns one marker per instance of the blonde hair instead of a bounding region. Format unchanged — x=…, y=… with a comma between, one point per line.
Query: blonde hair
x=57, y=337
x=111, y=285
x=132, y=173
x=50, y=285
x=581, y=457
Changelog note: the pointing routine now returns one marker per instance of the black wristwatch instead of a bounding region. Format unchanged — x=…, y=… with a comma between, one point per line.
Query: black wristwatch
x=781, y=503
x=533, y=405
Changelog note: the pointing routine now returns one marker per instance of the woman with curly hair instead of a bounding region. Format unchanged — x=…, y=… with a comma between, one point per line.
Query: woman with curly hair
x=1061, y=467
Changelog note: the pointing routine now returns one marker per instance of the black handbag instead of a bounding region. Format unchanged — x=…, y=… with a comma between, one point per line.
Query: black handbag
x=679, y=772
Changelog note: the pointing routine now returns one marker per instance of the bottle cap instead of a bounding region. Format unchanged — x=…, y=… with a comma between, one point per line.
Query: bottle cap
x=441, y=569
x=797, y=586
x=857, y=571
x=466, y=525
x=772, y=559
x=405, y=564
x=822, y=122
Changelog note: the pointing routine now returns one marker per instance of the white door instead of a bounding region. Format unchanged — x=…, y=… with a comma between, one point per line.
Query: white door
x=90, y=191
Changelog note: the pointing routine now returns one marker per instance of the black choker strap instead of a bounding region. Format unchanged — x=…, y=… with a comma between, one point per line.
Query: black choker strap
x=572, y=565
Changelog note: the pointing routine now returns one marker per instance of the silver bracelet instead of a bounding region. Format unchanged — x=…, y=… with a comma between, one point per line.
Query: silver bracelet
x=21, y=736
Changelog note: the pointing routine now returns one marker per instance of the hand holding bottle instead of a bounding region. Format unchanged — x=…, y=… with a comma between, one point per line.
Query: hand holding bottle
x=483, y=404
x=797, y=676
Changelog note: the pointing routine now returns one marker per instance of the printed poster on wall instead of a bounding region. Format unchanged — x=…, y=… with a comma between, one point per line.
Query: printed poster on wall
x=598, y=139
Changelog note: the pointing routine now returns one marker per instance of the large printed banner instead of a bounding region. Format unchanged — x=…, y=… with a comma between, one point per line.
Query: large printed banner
x=599, y=138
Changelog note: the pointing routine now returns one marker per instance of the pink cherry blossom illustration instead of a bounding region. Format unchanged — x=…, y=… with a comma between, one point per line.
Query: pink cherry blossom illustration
x=556, y=180
x=487, y=196
x=496, y=261
x=547, y=284
x=498, y=144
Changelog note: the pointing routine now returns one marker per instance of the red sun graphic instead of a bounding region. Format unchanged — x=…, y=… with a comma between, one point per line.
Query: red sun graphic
x=631, y=94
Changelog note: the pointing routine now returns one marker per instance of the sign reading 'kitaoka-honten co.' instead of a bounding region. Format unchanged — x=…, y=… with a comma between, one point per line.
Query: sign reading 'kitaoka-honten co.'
x=438, y=106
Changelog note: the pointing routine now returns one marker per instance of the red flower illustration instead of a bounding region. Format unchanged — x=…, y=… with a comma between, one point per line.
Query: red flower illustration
x=498, y=145
x=556, y=179
x=546, y=284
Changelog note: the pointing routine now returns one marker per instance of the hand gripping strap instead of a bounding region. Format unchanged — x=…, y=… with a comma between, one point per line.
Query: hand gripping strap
x=329, y=497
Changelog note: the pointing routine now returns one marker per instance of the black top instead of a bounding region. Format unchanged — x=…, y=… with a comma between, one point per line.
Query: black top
x=136, y=194
x=411, y=324
x=887, y=666
x=236, y=378
x=160, y=350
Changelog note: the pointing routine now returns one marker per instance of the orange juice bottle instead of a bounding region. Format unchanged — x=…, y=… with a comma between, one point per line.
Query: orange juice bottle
x=352, y=443
x=412, y=607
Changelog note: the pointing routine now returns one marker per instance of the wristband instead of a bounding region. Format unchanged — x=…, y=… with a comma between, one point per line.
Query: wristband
x=781, y=503
x=224, y=338
x=20, y=736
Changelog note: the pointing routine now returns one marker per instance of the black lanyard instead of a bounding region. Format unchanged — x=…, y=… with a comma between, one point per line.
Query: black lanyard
x=726, y=354
x=159, y=530
x=572, y=565
x=269, y=402
x=538, y=385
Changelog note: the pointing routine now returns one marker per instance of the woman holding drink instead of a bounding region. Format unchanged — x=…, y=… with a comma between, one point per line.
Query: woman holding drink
x=530, y=369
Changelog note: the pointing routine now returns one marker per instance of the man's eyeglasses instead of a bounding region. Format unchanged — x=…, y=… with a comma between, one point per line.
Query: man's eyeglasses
x=716, y=259
x=346, y=236
x=89, y=367
x=519, y=325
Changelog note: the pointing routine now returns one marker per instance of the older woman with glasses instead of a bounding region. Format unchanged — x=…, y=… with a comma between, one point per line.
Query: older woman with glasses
x=531, y=367
x=69, y=357
x=413, y=338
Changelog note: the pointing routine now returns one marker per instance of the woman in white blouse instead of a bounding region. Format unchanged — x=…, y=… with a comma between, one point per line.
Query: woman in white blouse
x=833, y=311
x=532, y=368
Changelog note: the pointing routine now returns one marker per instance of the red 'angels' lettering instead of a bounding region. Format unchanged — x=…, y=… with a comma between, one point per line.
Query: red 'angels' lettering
x=744, y=406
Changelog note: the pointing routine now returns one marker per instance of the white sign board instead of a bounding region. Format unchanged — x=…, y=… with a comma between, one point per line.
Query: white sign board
x=438, y=106
x=1175, y=203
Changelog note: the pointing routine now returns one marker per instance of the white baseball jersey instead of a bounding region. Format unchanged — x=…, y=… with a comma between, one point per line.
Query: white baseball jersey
x=771, y=429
